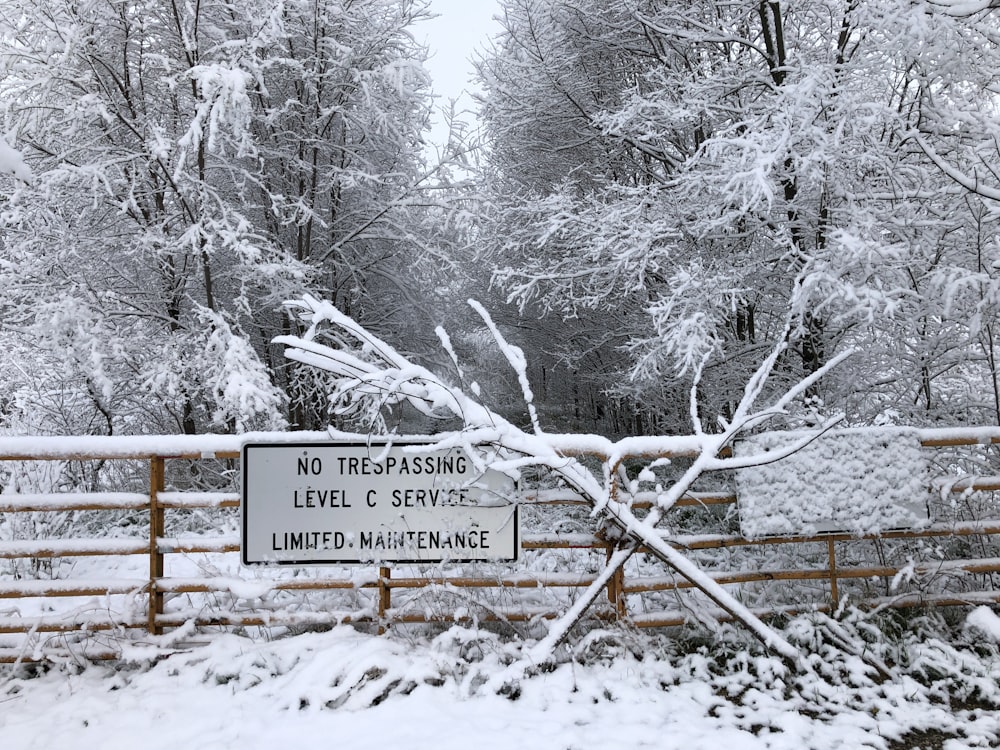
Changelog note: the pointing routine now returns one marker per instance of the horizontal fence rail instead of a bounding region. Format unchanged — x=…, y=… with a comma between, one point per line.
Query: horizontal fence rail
x=82, y=572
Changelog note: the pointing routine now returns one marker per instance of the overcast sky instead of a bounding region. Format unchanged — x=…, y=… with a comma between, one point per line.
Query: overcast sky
x=461, y=28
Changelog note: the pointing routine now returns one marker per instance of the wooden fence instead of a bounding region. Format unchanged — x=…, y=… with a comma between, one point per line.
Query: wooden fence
x=165, y=562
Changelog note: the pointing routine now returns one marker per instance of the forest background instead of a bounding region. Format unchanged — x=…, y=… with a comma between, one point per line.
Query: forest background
x=656, y=189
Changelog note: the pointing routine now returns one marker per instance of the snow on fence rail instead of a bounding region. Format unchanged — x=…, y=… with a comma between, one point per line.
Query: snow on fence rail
x=165, y=560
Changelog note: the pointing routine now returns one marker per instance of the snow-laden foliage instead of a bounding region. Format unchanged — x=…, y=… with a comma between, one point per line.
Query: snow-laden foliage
x=242, y=391
x=12, y=162
x=171, y=173
x=682, y=163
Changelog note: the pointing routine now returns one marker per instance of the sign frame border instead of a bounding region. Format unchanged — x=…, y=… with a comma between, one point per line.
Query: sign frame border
x=380, y=443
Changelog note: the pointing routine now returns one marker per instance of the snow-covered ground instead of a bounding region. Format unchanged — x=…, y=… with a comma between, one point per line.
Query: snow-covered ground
x=343, y=688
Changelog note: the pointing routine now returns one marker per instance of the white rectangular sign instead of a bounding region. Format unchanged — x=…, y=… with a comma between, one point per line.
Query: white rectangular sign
x=320, y=503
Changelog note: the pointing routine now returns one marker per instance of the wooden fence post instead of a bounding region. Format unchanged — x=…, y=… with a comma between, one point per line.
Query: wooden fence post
x=834, y=593
x=384, y=597
x=616, y=587
x=616, y=584
x=156, y=530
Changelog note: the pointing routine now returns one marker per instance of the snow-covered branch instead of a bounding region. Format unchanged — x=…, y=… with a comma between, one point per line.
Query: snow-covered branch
x=371, y=373
x=12, y=162
x=963, y=8
x=972, y=183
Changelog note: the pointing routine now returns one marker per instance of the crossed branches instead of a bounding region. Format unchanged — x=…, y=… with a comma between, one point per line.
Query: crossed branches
x=369, y=369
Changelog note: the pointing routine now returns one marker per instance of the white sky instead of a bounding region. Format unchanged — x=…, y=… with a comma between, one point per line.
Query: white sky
x=461, y=28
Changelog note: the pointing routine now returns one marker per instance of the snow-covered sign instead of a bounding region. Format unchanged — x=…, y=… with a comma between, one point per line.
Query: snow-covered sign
x=854, y=481
x=319, y=503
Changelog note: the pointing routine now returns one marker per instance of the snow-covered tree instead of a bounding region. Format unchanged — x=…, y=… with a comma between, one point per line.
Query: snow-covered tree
x=343, y=183
x=192, y=164
x=662, y=172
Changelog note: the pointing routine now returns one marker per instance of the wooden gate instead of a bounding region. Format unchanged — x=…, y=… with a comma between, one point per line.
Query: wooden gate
x=85, y=573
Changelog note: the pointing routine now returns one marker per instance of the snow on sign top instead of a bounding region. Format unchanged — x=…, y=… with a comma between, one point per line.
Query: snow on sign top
x=854, y=481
